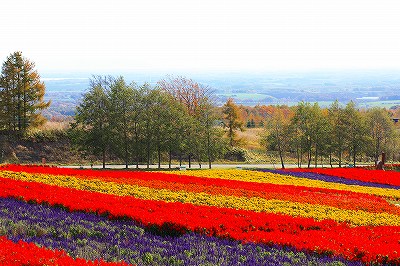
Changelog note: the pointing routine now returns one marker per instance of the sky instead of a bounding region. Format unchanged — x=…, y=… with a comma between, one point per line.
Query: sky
x=206, y=36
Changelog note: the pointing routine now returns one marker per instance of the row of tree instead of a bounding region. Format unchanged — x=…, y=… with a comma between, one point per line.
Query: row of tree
x=178, y=119
x=336, y=133
x=137, y=123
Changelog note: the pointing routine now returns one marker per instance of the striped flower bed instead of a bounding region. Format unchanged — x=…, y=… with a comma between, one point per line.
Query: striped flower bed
x=391, y=178
x=92, y=237
x=312, y=216
x=328, y=178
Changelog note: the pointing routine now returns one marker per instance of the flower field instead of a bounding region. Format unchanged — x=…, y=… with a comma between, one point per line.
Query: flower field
x=205, y=217
x=391, y=178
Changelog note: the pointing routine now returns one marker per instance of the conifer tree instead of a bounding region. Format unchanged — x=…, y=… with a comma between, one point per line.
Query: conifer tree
x=231, y=120
x=21, y=95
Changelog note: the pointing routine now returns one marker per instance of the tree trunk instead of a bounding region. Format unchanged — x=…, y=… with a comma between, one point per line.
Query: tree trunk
x=301, y=158
x=231, y=135
x=126, y=154
x=190, y=160
x=298, y=156
x=377, y=153
x=316, y=156
x=148, y=151
x=281, y=156
x=322, y=161
x=209, y=150
x=148, y=155
x=159, y=157
x=104, y=158
x=330, y=159
x=136, y=146
x=169, y=159
x=24, y=123
x=19, y=109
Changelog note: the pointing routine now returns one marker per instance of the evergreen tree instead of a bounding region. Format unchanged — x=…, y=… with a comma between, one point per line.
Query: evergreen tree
x=232, y=121
x=21, y=95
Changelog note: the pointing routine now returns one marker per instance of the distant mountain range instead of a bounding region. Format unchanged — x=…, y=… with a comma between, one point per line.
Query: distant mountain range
x=366, y=88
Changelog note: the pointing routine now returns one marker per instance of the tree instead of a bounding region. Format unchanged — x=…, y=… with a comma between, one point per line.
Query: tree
x=21, y=95
x=381, y=128
x=195, y=98
x=91, y=130
x=211, y=142
x=339, y=131
x=277, y=132
x=305, y=121
x=319, y=129
x=393, y=147
x=176, y=124
x=159, y=112
x=121, y=98
x=231, y=120
x=357, y=137
x=137, y=113
x=188, y=92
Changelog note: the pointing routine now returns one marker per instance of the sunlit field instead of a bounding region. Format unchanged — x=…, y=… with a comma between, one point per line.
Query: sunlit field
x=60, y=216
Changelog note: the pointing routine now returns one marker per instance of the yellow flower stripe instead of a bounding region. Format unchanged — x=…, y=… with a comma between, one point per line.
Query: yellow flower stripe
x=272, y=178
x=318, y=212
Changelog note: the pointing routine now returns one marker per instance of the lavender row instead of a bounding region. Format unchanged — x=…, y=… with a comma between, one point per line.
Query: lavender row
x=93, y=237
x=328, y=178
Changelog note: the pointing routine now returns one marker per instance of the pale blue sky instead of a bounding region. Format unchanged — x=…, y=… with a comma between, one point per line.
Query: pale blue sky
x=206, y=35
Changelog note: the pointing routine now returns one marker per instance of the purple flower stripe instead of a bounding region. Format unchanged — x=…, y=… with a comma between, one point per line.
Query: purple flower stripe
x=328, y=178
x=93, y=237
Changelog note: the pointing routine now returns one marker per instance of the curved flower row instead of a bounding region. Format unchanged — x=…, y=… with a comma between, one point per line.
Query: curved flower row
x=328, y=197
x=206, y=177
x=316, y=211
x=266, y=177
x=373, y=176
x=328, y=178
x=23, y=253
x=93, y=237
x=363, y=242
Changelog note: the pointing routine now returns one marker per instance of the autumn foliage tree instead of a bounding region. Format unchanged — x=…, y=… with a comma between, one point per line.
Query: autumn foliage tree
x=232, y=120
x=340, y=133
x=21, y=96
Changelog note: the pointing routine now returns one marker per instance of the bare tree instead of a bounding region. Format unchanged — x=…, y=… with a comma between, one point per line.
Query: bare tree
x=197, y=100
